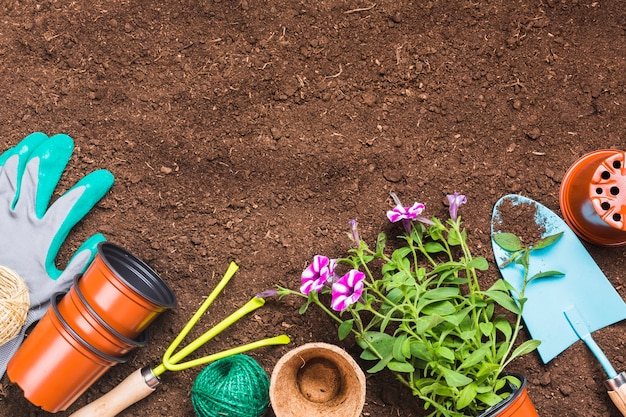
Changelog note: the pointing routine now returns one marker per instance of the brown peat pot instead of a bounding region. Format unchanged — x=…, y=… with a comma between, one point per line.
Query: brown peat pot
x=317, y=380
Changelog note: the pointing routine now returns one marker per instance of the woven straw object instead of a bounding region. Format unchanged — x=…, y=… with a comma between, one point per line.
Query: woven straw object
x=14, y=304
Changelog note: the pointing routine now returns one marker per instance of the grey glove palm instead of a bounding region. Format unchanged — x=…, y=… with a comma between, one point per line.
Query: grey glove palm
x=31, y=233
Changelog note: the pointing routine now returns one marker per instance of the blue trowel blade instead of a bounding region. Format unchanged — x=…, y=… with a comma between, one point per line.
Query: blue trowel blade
x=583, y=284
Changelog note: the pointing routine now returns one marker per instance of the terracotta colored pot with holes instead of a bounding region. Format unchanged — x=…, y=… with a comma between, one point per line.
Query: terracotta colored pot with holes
x=317, y=380
x=54, y=365
x=124, y=291
x=518, y=404
x=81, y=318
x=593, y=197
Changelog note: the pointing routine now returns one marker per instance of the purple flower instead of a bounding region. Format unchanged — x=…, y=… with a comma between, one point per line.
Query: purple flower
x=317, y=274
x=355, y=233
x=455, y=201
x=267, y=293
x=347, y=290
x=406, y=214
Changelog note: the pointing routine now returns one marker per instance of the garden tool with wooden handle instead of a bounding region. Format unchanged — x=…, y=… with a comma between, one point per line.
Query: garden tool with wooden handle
x=144, y=381
x=616, y=382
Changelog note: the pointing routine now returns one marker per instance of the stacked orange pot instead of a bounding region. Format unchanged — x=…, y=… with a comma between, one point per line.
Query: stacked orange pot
x=90, y=329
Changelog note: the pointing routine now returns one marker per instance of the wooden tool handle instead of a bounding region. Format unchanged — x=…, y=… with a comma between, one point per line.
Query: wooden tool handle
x=619, y=398
x=134, y=388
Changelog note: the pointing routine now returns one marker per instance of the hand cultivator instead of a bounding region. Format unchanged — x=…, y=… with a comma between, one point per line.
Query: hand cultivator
x=144, y=381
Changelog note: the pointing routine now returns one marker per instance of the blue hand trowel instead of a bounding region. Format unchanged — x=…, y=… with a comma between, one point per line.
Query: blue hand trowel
x=563, y=309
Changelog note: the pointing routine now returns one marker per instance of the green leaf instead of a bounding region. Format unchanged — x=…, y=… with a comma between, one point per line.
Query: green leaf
x=475, y=357
x=442, y=293
x=345, y=328
x=487, y=368
x=503, y=299
x=456, y=318
x=489, y=398
x=453, y=378
x=398, y=348
x=381, y=241
x=508, y=241
x=382, y=342
x=368, y=355
x=440, y=308
x=425, y=323
x=479, y=263
x=380, y=365
x=434, y=247
x=526, y=347
x=466, y=396
x=398, y=366
x=454, y=238
x=486, y=328
x=504, y=326
x=546, y=274
x=546, y=241
x=445, y=353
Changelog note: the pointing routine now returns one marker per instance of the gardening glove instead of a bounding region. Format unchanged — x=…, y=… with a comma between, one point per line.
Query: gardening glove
x=31, y=233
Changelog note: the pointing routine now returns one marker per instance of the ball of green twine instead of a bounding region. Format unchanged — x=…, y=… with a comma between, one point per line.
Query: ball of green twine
x=235, y=386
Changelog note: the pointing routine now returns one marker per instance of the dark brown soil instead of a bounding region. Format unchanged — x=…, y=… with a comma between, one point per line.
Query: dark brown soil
x=255, y=130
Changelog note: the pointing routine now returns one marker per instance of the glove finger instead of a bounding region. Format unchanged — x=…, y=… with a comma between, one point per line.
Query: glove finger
x=53, y=155
x=78, y=263
x=25, y=147
x=72, y=206
x=8, y=183
x=23, y=150
x=42, y=173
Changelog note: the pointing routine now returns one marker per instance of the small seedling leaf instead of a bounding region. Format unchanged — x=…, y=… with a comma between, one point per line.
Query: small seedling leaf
x=508, y=241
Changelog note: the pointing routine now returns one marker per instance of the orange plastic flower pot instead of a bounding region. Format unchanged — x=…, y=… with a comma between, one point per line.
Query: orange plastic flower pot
x=593, y=197
x=124, y=291
x=518, y=404
x=81, y=318
x=54, y=365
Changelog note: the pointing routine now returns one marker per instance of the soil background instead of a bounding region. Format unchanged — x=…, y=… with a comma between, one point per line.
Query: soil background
x=253, y=131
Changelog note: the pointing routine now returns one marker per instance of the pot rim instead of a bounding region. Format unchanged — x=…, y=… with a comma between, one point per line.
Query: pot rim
x=160, y=294
x=515, y=393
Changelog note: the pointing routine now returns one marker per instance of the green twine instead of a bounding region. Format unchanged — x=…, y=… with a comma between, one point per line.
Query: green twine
x=235, y=386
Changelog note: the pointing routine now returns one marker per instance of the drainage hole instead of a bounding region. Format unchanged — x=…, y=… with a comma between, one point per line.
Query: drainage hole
x=599, y=191
x=605, y=206
x=617, y=217
x=614, y=190
x=606, y=175
x=617, y=164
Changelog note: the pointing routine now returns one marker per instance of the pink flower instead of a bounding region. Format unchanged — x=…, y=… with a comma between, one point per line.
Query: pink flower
x=406, y=214
x=347, y=290
x=317, y=274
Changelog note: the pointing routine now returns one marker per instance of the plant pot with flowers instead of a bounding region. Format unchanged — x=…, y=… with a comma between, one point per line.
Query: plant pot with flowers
x=418, y=310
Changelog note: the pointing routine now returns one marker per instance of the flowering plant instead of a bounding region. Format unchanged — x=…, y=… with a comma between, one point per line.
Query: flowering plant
x=423, y=315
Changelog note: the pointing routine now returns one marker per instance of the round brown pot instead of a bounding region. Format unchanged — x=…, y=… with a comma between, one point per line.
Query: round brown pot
x=317, y=380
